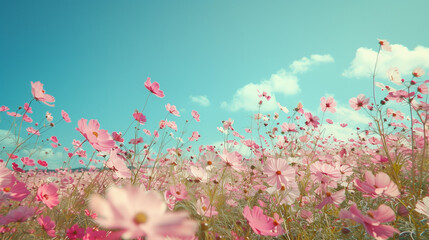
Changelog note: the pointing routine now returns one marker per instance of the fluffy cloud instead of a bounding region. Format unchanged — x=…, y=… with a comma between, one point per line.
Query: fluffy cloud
x=202, y=100
x=304, y=64
x=400, y=56
x=282, y=82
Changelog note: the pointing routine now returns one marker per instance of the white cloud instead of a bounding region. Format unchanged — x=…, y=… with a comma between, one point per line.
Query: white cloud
x=202, y=100
x=351, y=116
x=282, y=82
x=403, y=58
x=304, y=64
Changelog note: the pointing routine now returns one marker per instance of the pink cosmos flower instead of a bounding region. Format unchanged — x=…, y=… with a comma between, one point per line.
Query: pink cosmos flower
x=75, y=232
x=260, y=223
x=358, y=102
x=13, y=114
x=117, y=163
x=172, y=109
x=328, y=104
x=136, y=140
x=289, y=127
x=154, y=88
x=324, y=172
x=385, y=45
x=279, y=172
x=179, y=191
x=284, y=109
x=172, y=125
x=333, y=198
x=394, y=75
x=204, y=208
x=195, y=136
x=137, y=212
x=311, y=120
x=343, y=125
x=232, y=160
x=423, y=89
x=377, y=185
x=31, y=130
x=98, y=138
x=27, y=161
x=373, y=221
x=423, y=206
x=40, y=95
x=20, y=214
x=117, y=136
x=329, y=121
x=42, y=163
x=3, y=108
x=398, y=115
x=418, y=72
x=48, y=194
x=94, y=234
x=47, y=224
x=65, y=116
x=196, y=115
x=26, y=118
x=139, y=117
x=27, y=108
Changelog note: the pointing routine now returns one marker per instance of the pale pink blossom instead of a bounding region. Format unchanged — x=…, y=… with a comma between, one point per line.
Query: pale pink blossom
x=422, y=206
x=118, y=164
x=328, y=104
x=394, y=75
x=333, y=198
x=260, y=223
x=279, y=172
x=172, y=109
x=373, y=221
x=377, y=185
x=3, y=108
x=136, y=212
x=418, y=72
x=40, y=95
x=385, y=45
x=358, y=102
x=204, y=208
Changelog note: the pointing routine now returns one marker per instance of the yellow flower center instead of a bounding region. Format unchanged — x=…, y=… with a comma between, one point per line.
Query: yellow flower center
x=140, y=218
x=95, y=134
x=6, y=189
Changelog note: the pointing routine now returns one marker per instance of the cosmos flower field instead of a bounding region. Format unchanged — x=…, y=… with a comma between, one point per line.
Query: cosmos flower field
x=291, y=181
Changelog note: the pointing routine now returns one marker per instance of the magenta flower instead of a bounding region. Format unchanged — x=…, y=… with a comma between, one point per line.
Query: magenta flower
x=358, y=102
x=377, y=185
x=279, y=172
x=139, y=117
x=136, y=212
x=328, y=104
x=40, y=95
x=75, y=232
x=99, y=139
x=154, y=88
x=48, y=194
x=47, y=224
x=373, y=222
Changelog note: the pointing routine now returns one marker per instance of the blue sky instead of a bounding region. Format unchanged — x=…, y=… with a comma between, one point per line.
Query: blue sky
x=94, y=57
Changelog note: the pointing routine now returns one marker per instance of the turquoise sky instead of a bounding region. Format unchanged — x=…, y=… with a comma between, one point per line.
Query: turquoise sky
x=94, y=56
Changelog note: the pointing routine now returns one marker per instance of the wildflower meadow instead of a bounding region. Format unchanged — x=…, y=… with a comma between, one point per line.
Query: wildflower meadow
x=283, y=178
